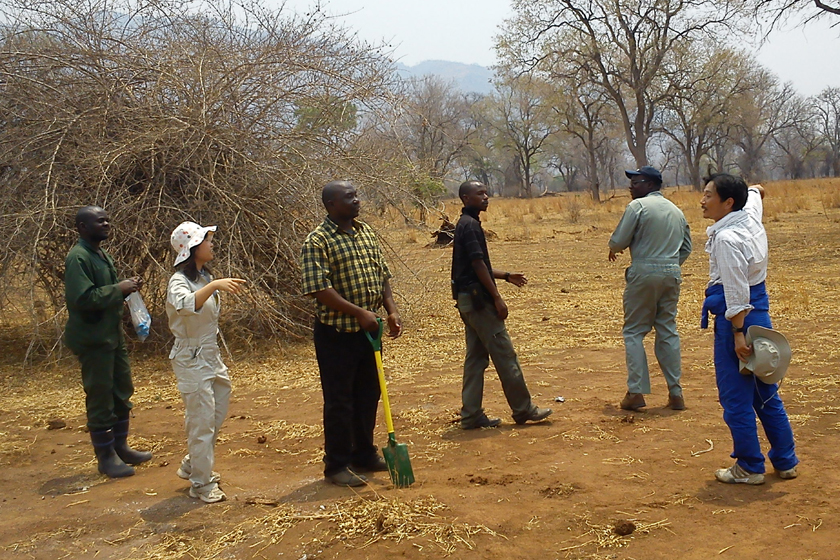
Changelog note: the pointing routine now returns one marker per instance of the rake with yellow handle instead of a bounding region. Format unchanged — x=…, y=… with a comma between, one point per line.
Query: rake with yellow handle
x=396, y=454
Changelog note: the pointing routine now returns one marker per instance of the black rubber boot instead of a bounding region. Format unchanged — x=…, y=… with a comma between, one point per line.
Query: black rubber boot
x=127, y=454
x=109, y=462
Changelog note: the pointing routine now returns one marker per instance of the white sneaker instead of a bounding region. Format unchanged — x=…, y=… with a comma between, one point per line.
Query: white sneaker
x=186, y=473
x=211, y=496
x=737, y=475
x=788, y=474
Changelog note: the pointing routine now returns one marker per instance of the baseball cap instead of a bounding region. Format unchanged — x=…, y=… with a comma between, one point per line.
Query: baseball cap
x=645, y=171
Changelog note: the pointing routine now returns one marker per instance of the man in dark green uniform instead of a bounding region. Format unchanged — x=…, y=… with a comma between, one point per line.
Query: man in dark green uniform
x=94, y=333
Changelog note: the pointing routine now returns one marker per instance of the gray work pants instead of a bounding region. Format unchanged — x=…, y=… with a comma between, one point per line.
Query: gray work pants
x=488, y=338
x=650, y=301
x=205, y=387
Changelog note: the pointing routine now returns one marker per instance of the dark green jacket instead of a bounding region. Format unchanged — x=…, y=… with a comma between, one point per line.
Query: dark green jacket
x=94, y=302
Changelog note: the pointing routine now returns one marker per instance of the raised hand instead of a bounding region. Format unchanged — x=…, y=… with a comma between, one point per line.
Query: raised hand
x=229, y=285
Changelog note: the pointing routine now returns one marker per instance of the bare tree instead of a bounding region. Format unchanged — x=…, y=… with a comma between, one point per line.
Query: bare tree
x=799, y=142
x=163, y=111
x=434, y=124
x=522, y=117
x=432, y=129
x=827, y=114
x=584, y=114
x=483, y=158
x=621, y=47
x=756, y=116
x=805, y=11
x=705, y=83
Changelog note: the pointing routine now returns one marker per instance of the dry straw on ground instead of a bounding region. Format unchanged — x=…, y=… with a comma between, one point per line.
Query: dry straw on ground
x=357, y=523
x=600, y=536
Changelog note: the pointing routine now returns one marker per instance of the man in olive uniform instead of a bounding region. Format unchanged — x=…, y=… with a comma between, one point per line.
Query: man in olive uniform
x=659, y=239
x=94, y=333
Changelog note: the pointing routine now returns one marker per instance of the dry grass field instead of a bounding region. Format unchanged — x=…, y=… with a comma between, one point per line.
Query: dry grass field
x=561, y=489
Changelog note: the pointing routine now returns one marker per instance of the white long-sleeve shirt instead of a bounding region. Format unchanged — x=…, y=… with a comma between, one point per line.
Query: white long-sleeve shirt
x=737, y=248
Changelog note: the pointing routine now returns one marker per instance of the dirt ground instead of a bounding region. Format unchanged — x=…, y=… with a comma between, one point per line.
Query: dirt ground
x=558, y=489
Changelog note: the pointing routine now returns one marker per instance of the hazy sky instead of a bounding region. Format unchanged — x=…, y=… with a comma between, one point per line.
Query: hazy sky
x=463, y=31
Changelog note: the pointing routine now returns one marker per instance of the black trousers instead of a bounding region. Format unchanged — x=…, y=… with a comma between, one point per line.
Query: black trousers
x=350, y=385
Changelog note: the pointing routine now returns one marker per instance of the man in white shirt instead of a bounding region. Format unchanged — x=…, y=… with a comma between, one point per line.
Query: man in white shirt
x=736, y=296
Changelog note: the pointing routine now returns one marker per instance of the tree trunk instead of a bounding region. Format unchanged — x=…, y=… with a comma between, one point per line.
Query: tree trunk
x=594, y=183
x=526, y=179
x=694, y=175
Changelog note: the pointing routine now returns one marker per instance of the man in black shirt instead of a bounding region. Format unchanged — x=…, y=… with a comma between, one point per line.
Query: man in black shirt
x=483, y=312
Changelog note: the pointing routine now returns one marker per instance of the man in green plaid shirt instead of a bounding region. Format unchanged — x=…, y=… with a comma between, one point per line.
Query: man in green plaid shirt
x=345, y=271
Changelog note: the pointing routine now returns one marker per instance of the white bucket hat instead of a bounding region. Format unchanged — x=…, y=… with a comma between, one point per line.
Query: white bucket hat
x=770, y=357
x=185, y=237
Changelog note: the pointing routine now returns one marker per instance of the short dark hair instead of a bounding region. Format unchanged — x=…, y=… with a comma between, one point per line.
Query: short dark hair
x=85, y=214
x=467, y=187
x=729, y=186
x=332, y=188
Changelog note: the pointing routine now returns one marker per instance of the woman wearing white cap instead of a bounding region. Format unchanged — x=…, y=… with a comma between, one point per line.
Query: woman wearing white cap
x=192, y=305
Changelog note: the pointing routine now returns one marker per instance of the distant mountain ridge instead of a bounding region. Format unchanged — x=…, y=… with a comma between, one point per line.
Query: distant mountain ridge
x=468, y=77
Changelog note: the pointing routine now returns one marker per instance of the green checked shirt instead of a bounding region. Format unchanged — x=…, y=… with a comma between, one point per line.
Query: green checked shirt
x=352, y=264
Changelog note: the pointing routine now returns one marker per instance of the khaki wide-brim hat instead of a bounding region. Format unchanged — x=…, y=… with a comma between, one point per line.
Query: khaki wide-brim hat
x=771, y=354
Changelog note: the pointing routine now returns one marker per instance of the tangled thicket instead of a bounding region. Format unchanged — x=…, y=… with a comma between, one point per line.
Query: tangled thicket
x=226, y=114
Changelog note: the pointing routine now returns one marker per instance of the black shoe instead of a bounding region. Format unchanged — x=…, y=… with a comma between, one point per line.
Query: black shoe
x=128, y=455
x=108, y=461
x=482, y=422
x=346, y=477
x=377, y=464
x=536, y=415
